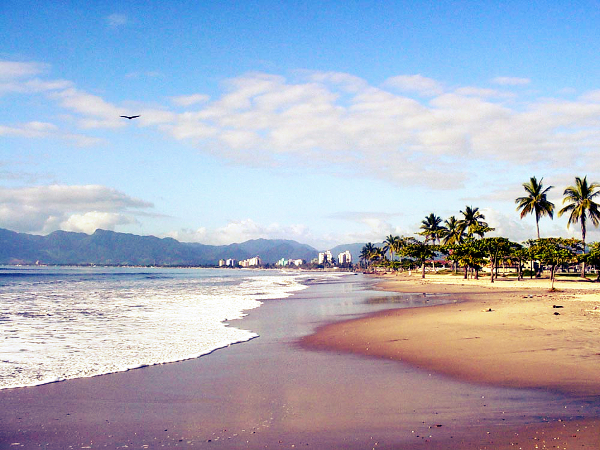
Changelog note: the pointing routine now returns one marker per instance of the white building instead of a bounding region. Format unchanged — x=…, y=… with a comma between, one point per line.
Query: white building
x=251, y=262
x=326, y=258
x=227, y=263
x=345, y=257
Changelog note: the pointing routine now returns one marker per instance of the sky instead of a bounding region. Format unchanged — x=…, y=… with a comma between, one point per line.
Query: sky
x=327, y=122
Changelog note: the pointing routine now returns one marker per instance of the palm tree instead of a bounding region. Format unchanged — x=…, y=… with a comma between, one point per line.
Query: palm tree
x=390, y=245
x=453, y=234
x=535, y=202
x=432, y=230
x=366, y=253
x=472, y=222
x=581, y=205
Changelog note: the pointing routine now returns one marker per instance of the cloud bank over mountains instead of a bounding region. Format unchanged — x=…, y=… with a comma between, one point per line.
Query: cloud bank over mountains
x=43, y=209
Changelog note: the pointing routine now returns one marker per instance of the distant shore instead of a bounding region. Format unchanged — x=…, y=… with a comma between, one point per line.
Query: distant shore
x=510, y=333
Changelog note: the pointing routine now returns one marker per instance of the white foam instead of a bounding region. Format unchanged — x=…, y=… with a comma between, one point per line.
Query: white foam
x=64, y=328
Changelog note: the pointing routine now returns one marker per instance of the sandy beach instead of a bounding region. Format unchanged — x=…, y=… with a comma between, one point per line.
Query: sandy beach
x=510, y=333
x=371, y=377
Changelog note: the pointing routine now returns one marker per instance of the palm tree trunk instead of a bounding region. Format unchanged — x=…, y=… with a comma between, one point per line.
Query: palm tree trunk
x=583, y=246
x=531, y=269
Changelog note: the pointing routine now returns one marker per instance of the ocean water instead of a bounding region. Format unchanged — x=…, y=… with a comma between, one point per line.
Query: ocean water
x=64, y=323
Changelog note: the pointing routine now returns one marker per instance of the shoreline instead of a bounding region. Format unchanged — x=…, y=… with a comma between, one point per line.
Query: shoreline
x=509, y=334
x=271, y=393
x=500, y=334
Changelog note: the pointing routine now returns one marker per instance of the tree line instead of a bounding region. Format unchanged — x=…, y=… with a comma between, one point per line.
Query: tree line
x=462, y=239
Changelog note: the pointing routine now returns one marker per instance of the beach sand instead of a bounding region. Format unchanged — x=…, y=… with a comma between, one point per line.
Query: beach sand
x=510, y=333
x=273, y=392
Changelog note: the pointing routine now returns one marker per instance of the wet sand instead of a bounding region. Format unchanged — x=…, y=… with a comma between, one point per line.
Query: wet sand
x=273, y=393
x=513, y=334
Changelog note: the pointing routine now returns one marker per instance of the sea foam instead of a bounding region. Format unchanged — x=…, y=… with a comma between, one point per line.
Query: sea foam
x=59, y=324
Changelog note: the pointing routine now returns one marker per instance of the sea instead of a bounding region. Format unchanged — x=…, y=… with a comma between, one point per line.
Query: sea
x=60, y=323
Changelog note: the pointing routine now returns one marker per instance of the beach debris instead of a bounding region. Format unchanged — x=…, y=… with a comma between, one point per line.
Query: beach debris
x=557, y=314
x=557, y=306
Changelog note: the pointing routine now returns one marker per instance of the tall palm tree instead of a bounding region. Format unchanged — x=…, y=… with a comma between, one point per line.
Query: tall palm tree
x=432, y=230
x=535, y=202
x=366, y=253
x=581, y=205
x=472, y=221
x=453, y=234
x=390, y=245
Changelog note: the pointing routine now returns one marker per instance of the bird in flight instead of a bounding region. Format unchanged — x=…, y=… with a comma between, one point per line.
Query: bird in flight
x=130, y=117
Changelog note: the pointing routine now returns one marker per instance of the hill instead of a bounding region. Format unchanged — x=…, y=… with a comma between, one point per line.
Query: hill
x=112, y=248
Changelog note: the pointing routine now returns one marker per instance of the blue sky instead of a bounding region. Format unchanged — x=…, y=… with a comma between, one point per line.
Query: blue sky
x=324, y=122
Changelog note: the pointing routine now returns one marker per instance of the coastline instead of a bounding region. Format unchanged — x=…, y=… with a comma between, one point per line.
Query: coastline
x=271, y=393
x=511, y=334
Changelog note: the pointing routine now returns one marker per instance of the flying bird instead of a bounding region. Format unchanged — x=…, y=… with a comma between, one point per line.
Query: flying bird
x=130, y=117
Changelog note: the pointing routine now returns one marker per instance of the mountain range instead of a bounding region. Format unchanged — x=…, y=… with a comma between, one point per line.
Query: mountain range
x=112, y=248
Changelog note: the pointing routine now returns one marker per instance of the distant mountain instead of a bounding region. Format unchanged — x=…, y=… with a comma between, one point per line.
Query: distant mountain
x=109, y=247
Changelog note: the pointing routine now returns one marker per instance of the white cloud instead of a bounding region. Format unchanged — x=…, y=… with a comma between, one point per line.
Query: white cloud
x=472, y=91
x=373, y=227
x=31, y=129
x=43, y=130
x=415, y=83
x=97, y=113
x=346, y=81
x=189, y=100
x=241, y=231
x=43, y=209
x=15, y=69
x=267, y=120
x=591, y=96
x=338, y=123
x=147, y=74
x=509, y=225
x=511, y=81
x=117, y=20
x=93, y=220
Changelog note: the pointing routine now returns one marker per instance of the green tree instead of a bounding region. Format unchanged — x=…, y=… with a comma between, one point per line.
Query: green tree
x=432, y=229
x=391, y=245
x=496, y=248
x=418, y=251
x=519, y=254
x=581, y=206
x=554, y=252
x=593, y=257
x=535, y=202
x=453, y=232
x=473, y=222
x=366, y=253
x=468, y=254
